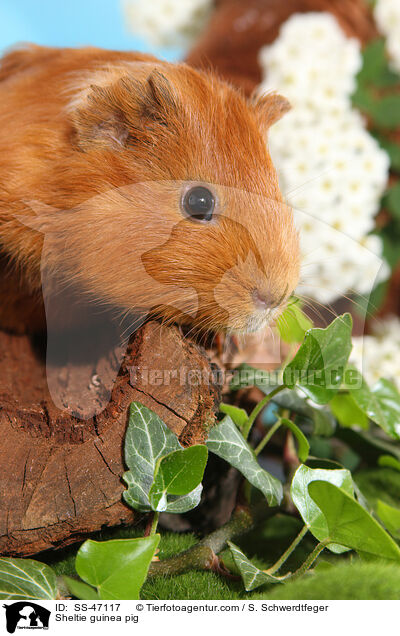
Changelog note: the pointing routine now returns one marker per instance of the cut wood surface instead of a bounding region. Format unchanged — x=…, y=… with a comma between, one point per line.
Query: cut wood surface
x=60, y=476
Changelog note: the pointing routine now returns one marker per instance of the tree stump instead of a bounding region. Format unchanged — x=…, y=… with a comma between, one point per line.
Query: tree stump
x=60, y=476
x=238, y=30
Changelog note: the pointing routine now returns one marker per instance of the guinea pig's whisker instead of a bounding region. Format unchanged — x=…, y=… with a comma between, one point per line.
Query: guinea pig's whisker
x=311, y=303
x=357, y=304
x=305, y=183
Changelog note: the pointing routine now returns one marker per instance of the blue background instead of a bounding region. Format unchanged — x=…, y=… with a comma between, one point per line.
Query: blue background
x=71, y=23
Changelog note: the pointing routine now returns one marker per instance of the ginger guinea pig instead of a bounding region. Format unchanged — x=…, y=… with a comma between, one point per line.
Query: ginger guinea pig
x=144, y=186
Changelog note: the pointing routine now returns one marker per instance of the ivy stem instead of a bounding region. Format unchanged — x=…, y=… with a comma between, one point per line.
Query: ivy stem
x=267, y=437
x=154, y=523
x=274, y=568
x=311, y=558
x=258, y=408
x=202, y=556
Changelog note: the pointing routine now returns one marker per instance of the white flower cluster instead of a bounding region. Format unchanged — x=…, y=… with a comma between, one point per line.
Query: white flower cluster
x=167, y=23
x=376, y=356
x=387, y=16
x=332, y=172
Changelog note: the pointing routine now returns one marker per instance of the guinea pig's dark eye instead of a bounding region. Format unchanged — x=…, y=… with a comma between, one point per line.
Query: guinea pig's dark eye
x=199, y=203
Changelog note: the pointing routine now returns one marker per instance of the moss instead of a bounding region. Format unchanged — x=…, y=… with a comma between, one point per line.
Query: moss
x=192, y=586
x=347, y=581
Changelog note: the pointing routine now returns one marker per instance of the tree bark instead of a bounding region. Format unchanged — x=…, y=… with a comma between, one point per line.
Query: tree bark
x=237, y=30
x=60, y=476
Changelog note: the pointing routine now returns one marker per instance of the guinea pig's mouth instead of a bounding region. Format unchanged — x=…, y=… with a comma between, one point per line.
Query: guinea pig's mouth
x=259, y=320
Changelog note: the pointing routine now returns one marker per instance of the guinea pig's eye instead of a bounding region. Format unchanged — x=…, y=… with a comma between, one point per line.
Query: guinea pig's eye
x=199, y=203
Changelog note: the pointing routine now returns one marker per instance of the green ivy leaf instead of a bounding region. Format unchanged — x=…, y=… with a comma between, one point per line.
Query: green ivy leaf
x=366, y=444
x=26, y=579
x=227, y=442
x=347, y=412
x=80, y=589
x=239, y=416
x=390, y=517
x=389, y=461
x=292, y=324
x=116, y=568
x=318, y=366
x=322, y=419
x=312, y=515
x=252, y=577
x=147, y=441
x=324, y=422
x=381, y=404
x=245, y=375
x=178, y=473
x=181, y=504
x=304, y=446
x=350, y=524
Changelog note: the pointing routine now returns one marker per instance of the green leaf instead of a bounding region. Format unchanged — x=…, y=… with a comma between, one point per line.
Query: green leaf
x=147, y=441
x=387, y=112
x=368, y=445
x=323, y=420
x=390, y=517
x=391, y=200
x=246, y=375
x=178, y=473
x=227, y=442
x=350, y=524
x=239, y=416
x=80, y=589
x=116, y=568
x=389, y=461
x=381, y=404
x=364, y=99
x=304, y=446
x=252, y=577
x=374, y=61
x=292, y=324
x=25, y=578
x=389, y=235
x=181, y=504
x=391, y=147
x=318, y=366
x=312, y=515
x=347, y=412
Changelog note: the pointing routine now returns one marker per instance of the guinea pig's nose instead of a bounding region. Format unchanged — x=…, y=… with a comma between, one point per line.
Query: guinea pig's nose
x=262, y=300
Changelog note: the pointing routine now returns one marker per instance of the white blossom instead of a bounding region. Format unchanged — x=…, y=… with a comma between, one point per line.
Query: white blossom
x=387, y=16
x=331, y=170
x=376, y=355
x=167, y=23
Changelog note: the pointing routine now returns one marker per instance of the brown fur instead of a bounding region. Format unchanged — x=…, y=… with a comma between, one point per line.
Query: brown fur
x=95, y=148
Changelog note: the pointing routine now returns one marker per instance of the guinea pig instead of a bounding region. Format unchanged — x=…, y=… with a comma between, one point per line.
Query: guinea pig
x=142, y=185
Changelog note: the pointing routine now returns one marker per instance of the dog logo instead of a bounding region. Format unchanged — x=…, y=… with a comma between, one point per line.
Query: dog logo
x=26, y=615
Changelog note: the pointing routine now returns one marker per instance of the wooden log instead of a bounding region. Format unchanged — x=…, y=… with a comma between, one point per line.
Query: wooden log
x=60, y=476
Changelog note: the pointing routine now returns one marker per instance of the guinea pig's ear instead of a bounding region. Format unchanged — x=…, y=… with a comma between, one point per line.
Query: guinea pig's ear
x=123, y=112
x=100, y=121
x=158, y=99
x=269, y=108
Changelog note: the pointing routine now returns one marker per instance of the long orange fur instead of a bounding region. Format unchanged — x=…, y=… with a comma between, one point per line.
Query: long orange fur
x=95, y=148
